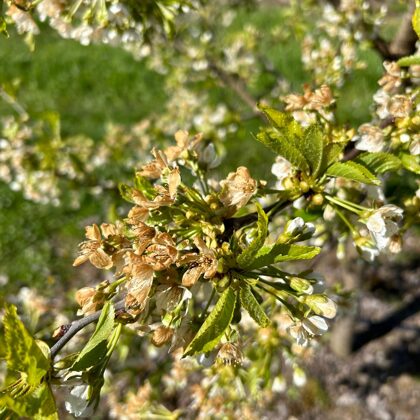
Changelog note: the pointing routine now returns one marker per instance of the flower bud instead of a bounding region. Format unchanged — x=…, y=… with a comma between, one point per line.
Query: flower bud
x=301, y=285
x=322, y=305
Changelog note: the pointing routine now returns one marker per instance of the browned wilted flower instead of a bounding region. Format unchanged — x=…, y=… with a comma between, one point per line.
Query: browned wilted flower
x=204, y=263
x=140, y=283
x=90, y=299
x=183, y=143
x=92, y=250
x=137, y=215
x=321, y=98
x=317, y=100
x=392, y=79
x=230, y=354
x=154, y=168
x=237, y=189
x=162, y=335
x=400, y=106
x=161, y=253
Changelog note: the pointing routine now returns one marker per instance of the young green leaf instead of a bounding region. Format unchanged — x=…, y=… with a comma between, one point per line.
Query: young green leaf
x=313, y=148
x=251, y=304
x=354, y=171
x=272, y=254
x=247, y=256
x=96, y=348
x=37, y=405
x=379, y=162
x=410, y=162
x=215, y=324
x=284, y=123
x=332, y=154
x=411, y=60
x=416, y=19
x=23, y=354
x=284, y=147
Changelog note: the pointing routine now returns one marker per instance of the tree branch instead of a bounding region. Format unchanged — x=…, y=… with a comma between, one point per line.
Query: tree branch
x=237, y=85
x=78, y=325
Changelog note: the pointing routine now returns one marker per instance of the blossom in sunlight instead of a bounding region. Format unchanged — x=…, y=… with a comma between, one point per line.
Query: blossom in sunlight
x=162, y=335
x=92, y=250
x=282, y=169
x=370, y=138
x=383, y=224
x=237, y=189
x=303, y=330
x=183, y=143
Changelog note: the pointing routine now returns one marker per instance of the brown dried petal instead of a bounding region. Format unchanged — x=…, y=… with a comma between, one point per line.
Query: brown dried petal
x=137, y=214
x=162, y=335
x=238, y=188
x=174, y=179
x=192, y=275
x=100, y=259
x=84, y=294
x=93, y=233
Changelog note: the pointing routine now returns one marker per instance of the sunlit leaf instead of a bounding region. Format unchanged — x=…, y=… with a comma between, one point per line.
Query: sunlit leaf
x=95, y=350
x=272, y=254
x=313, y=148
x=250, y=303
x=247, y=256
x=354, y=171
x=379, y=162
x=215, y=324
x=23, y=354
x=410, y=162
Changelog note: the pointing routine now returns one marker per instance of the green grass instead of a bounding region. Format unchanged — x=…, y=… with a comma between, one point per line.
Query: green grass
x=87, y=86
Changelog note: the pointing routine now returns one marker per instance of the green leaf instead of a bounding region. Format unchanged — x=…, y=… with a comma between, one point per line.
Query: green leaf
x=23, y=354
x=379, y=162
x=254, y=309
x=354, y=171
x=416, y=19
x=272, y=254
x=283, y=147
x=410, y=162
x=145, y=186
x=38, y=405
x=95, y=350
x=313, y=148
x=285, y=123
x=332, y=154
x=409, y=61
x=126, y=192
x=213, y=328
x=247, y=256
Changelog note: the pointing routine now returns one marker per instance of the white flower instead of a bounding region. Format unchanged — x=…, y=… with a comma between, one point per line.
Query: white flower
x=295, y=226
x=282, y=169
x=77, y=402
x=383, y=224
x=370, y=138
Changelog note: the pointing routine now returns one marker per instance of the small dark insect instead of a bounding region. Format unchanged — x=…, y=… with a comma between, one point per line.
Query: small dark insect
x=60, y=331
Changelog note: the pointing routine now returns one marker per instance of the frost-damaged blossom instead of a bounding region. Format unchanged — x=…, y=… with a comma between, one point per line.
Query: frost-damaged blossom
x=230, y=354
x=392, y=79
x=92, y=250
x=203, y=263
x=183, y=144
x=304, y=106
x=140, y=282
x=90, y=299
x=162, y=335
x=383, y=225
x=237, y=190
x=370, y=138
